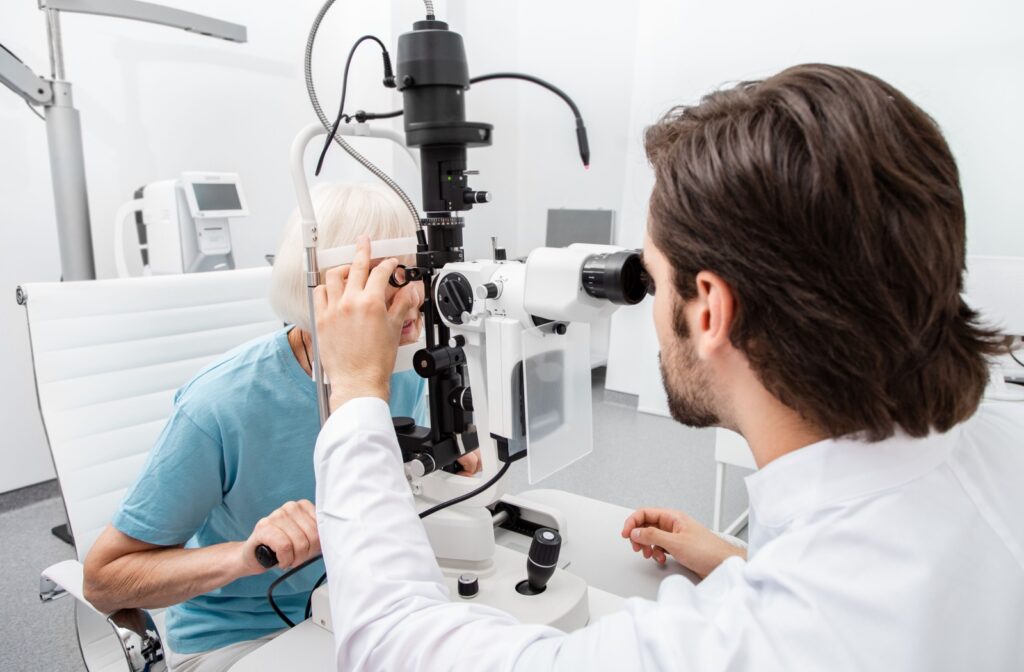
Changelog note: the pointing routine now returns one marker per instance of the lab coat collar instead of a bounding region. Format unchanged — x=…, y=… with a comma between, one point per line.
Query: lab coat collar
x=836, y=470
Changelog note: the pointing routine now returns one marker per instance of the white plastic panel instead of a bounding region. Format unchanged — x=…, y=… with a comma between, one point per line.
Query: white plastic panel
x=556, y=386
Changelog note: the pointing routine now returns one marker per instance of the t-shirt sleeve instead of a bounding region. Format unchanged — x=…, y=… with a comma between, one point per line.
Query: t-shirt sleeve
x=180, y=484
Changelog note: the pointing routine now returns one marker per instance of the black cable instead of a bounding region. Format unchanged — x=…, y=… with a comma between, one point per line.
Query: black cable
x=442, y=505
x=388, y=74
x=581, y=130
x=362, y=116
x=284, y=577
x=309, y=600
x=323, y=577
x=1014, y=357
x=468, y=495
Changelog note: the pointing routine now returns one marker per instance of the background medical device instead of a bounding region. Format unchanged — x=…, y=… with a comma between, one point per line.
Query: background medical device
x=182, y=225
x=63, y=124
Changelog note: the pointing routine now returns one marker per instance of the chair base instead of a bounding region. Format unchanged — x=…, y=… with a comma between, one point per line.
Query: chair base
x=63, y=532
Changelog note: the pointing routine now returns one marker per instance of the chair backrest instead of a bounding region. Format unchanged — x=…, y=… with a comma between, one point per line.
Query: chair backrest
x=109, y=356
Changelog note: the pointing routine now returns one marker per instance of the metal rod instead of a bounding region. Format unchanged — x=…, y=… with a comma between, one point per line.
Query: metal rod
x=55, y=43
x=323, y=393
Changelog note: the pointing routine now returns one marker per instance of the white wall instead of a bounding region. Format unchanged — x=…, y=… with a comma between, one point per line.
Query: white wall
x=533, y=163
x=959, y=61
x=154, y=102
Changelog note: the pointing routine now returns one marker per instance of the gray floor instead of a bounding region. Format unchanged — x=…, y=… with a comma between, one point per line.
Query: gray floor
x=33, y=635
x=638, y=460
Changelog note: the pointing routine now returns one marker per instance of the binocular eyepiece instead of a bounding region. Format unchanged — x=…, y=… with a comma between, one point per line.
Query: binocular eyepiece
x=618, y=277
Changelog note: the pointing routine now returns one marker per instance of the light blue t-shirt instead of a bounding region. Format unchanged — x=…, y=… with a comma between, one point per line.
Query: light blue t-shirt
x=238, y=445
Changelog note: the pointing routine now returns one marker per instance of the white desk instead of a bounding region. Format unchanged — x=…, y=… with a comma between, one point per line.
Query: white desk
x=594, y=546
x=594, y=549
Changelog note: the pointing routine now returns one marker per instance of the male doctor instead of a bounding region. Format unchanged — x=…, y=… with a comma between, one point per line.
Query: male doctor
x=806, y=240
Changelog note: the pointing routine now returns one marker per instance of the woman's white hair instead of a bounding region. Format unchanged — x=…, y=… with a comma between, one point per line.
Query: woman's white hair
x=343, y=213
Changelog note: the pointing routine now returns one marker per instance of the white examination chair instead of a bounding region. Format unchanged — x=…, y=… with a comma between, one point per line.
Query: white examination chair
x=108, y=357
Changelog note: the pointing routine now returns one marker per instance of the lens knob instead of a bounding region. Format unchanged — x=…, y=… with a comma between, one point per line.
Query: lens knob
x=469, y=586
x=488, y=290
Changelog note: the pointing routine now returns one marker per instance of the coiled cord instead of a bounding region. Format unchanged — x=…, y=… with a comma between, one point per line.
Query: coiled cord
x=311, y=90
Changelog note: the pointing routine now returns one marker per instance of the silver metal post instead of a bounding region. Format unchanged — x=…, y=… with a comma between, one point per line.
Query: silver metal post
x=70, y=198
x=322, y=390
x=67, y=166
x=56, y=44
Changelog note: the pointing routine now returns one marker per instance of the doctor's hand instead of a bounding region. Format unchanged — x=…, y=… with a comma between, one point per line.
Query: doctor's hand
x=359, y=332
x=290, y=532
x=660, y=532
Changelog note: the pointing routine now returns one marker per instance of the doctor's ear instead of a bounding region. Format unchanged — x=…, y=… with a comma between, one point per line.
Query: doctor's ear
x=716, y=310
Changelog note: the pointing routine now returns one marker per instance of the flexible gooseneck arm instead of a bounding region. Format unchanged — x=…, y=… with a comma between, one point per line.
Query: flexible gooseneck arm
x=316, y=259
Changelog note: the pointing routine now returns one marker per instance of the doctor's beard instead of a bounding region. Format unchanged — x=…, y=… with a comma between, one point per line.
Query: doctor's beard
x=686, y=382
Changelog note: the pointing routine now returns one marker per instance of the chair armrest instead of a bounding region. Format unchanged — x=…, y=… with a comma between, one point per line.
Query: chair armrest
x=64, y=578
x=135, y=629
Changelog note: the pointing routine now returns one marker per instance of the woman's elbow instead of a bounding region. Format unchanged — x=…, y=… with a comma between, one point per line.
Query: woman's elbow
x=97, y=594
x=96, y=586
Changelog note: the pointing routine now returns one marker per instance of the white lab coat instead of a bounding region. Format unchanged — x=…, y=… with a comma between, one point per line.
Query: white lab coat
x=899, y=555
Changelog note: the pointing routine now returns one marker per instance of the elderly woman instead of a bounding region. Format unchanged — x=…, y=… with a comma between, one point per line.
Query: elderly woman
x=233, y=469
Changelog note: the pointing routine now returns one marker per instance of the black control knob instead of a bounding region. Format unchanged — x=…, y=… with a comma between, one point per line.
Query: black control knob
x=403, y=425
x=462, y=397
x=428, y=362
x=488, y=290
x=265, y=556
x=471, y=196
x=469, y=586
x=541, y=561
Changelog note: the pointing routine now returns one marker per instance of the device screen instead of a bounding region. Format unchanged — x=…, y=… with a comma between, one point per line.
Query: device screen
x=217, y=196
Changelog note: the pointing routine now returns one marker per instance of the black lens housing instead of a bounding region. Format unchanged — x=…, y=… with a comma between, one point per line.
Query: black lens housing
x=615, y=276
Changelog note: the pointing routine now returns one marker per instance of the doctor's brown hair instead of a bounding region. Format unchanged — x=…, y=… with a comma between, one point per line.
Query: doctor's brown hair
x=831, y=205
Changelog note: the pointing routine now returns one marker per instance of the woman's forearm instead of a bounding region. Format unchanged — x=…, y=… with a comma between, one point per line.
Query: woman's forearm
x=161, y=577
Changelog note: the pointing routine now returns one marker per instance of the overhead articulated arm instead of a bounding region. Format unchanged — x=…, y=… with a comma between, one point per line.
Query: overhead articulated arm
x=19, y=78
x=151, y=13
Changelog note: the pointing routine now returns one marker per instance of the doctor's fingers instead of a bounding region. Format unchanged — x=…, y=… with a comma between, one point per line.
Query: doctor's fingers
x=335, y=280
x=654, y=542
x=376, y=287
x=360, y=268
x=665, y=519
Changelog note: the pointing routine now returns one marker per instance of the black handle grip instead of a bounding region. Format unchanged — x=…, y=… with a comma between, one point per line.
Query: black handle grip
x=266, y=556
